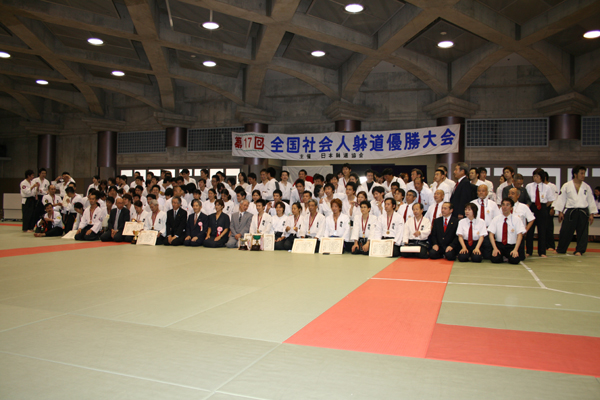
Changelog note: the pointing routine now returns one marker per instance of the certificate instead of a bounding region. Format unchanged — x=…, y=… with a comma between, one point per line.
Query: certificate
x=381, y=248
x=70, y=234
x=304, y=246
x=268, y=242
x=331, y=245
x=130, y=227
x=147, y=238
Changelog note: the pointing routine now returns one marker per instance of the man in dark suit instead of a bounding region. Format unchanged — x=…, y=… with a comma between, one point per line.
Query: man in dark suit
x=240, y=225
x=444, y=242
x=116, y=224
x=176, y=220
x=197, y=225
x=463, y=193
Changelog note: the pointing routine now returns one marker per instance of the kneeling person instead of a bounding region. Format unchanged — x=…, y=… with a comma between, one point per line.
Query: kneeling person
x=444, y=242
x=473, y=231
x=363, y=229
x=51, y=224
x=196, y=227
x=116, y=223
x=506, y=234
x=416, y=232
x=176, y=220
x=91, y=221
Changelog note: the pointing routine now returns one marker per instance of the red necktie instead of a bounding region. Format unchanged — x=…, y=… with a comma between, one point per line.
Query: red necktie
x=538, y=203
x=505, y=232
x=419, y=198
x=482, y=211
x=435, y=211
x=471, y=234
x=445, y=224
x=405, y=211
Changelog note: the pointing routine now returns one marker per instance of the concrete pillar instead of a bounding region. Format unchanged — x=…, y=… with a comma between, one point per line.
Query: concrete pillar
x=47, y=153
x=255, y=164
x=347, y=125
x=450, y=159
x=565, y=127
x=107, y=154
x=176, y=137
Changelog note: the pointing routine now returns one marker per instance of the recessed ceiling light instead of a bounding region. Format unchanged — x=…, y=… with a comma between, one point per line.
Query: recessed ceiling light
x=211, y=26
x=4, y=54
x=193, y=56
x=354, y=8
x=118, y=73
x=445, y=44
x=96, y=41
x=591, y=34
x=41, y=82
x=209, y=64
x=318, y=53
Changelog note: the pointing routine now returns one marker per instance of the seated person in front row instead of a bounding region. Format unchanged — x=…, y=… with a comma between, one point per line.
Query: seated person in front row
x=416, y=232
x=390, y=225
x=473, y=231
x=116, y=223
x=506, y=233
x=278, y=222
x=337, y=225
x=197, y=225
x=156, y=221
x=51, y=224
x=313, y=226
x=176, y=220
x=91, y=221
x=240, y=223
x=364, y=227
x=293, y=226
x=443, y=239
x=218, y=227
x=261, y=222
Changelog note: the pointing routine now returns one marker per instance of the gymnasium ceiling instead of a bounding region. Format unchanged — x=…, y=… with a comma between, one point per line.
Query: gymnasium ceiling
x=160, y=44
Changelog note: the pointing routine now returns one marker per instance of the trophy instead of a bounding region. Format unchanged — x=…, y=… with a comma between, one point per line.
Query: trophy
x=243, y=244
x=135, y=237
x=256, y=243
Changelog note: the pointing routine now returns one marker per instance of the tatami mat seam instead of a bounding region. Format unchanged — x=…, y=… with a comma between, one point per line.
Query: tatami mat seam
x=33, y=322
x=513, y=305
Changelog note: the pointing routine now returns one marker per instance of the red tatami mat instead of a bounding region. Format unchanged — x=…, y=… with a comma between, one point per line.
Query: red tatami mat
x=25, y=251
x=569, y=354
x=382, y=316
x=418, y=270
x=5, y=224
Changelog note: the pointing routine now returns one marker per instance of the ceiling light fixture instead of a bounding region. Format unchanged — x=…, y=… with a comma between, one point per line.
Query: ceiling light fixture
x=210, y=24
x=95, y=41
x=446, y=44
x=591, y=34
x=4, y=54
x=209, y=64
x=41, y=82
x=318, y=53
x=354, y=8
x=118, y=73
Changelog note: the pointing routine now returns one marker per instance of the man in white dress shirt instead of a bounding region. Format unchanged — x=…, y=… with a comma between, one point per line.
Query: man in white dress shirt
x=576, y=208
x=506, y=233
x=440, y=184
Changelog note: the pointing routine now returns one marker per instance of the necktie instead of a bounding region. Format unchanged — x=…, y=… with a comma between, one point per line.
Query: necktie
x=435, y=211
x=445, y=224
x=505, y=232
x=538, y=203
x=471, y=234
x=240, y=220
x=195, y=218
x=405, y=212
x=482, y=211
x=117, y=219
x=419, y=198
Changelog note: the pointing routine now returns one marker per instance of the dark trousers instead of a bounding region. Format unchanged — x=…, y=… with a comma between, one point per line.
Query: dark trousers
x=576, y=219
x=361, y=243
x=56, y=231
x=178, y=241
x=28, y=210
x=437, y=254
x=476, y=258
x=541, y=222
x=160, y=240
x=69, y=220
x=505, y=252
x=211, y=242
x=550, y=243
x=83, y=234
x=486, y=248
x=106, y=237
x=39, y=209
x=198, y=242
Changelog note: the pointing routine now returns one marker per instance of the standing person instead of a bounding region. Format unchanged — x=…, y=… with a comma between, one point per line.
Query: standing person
x=542, y=197
x=522, y=211
x=474, y=231
x=40, y=192
x=424, y=194
x=218, y=227
x=344, y=179
x=440, y=184
x=506, y=234
x=462, y=192
x=28, y=200
x=444, y=242
x=285, y=186
x=550, y=243
x=435, y=210
x=368, y=185
x=576, y=208
x=508, y=173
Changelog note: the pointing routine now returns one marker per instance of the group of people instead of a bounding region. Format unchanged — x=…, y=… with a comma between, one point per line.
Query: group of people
x=463, y=219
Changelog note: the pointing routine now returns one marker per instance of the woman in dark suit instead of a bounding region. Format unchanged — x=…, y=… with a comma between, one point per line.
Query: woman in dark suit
x=197, y=226
x=218, y=227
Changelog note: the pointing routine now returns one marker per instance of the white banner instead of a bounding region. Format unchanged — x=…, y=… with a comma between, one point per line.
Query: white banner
x=347, y=146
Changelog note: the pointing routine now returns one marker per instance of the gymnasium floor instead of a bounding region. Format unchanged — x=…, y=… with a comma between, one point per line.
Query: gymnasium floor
x=102, y=321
